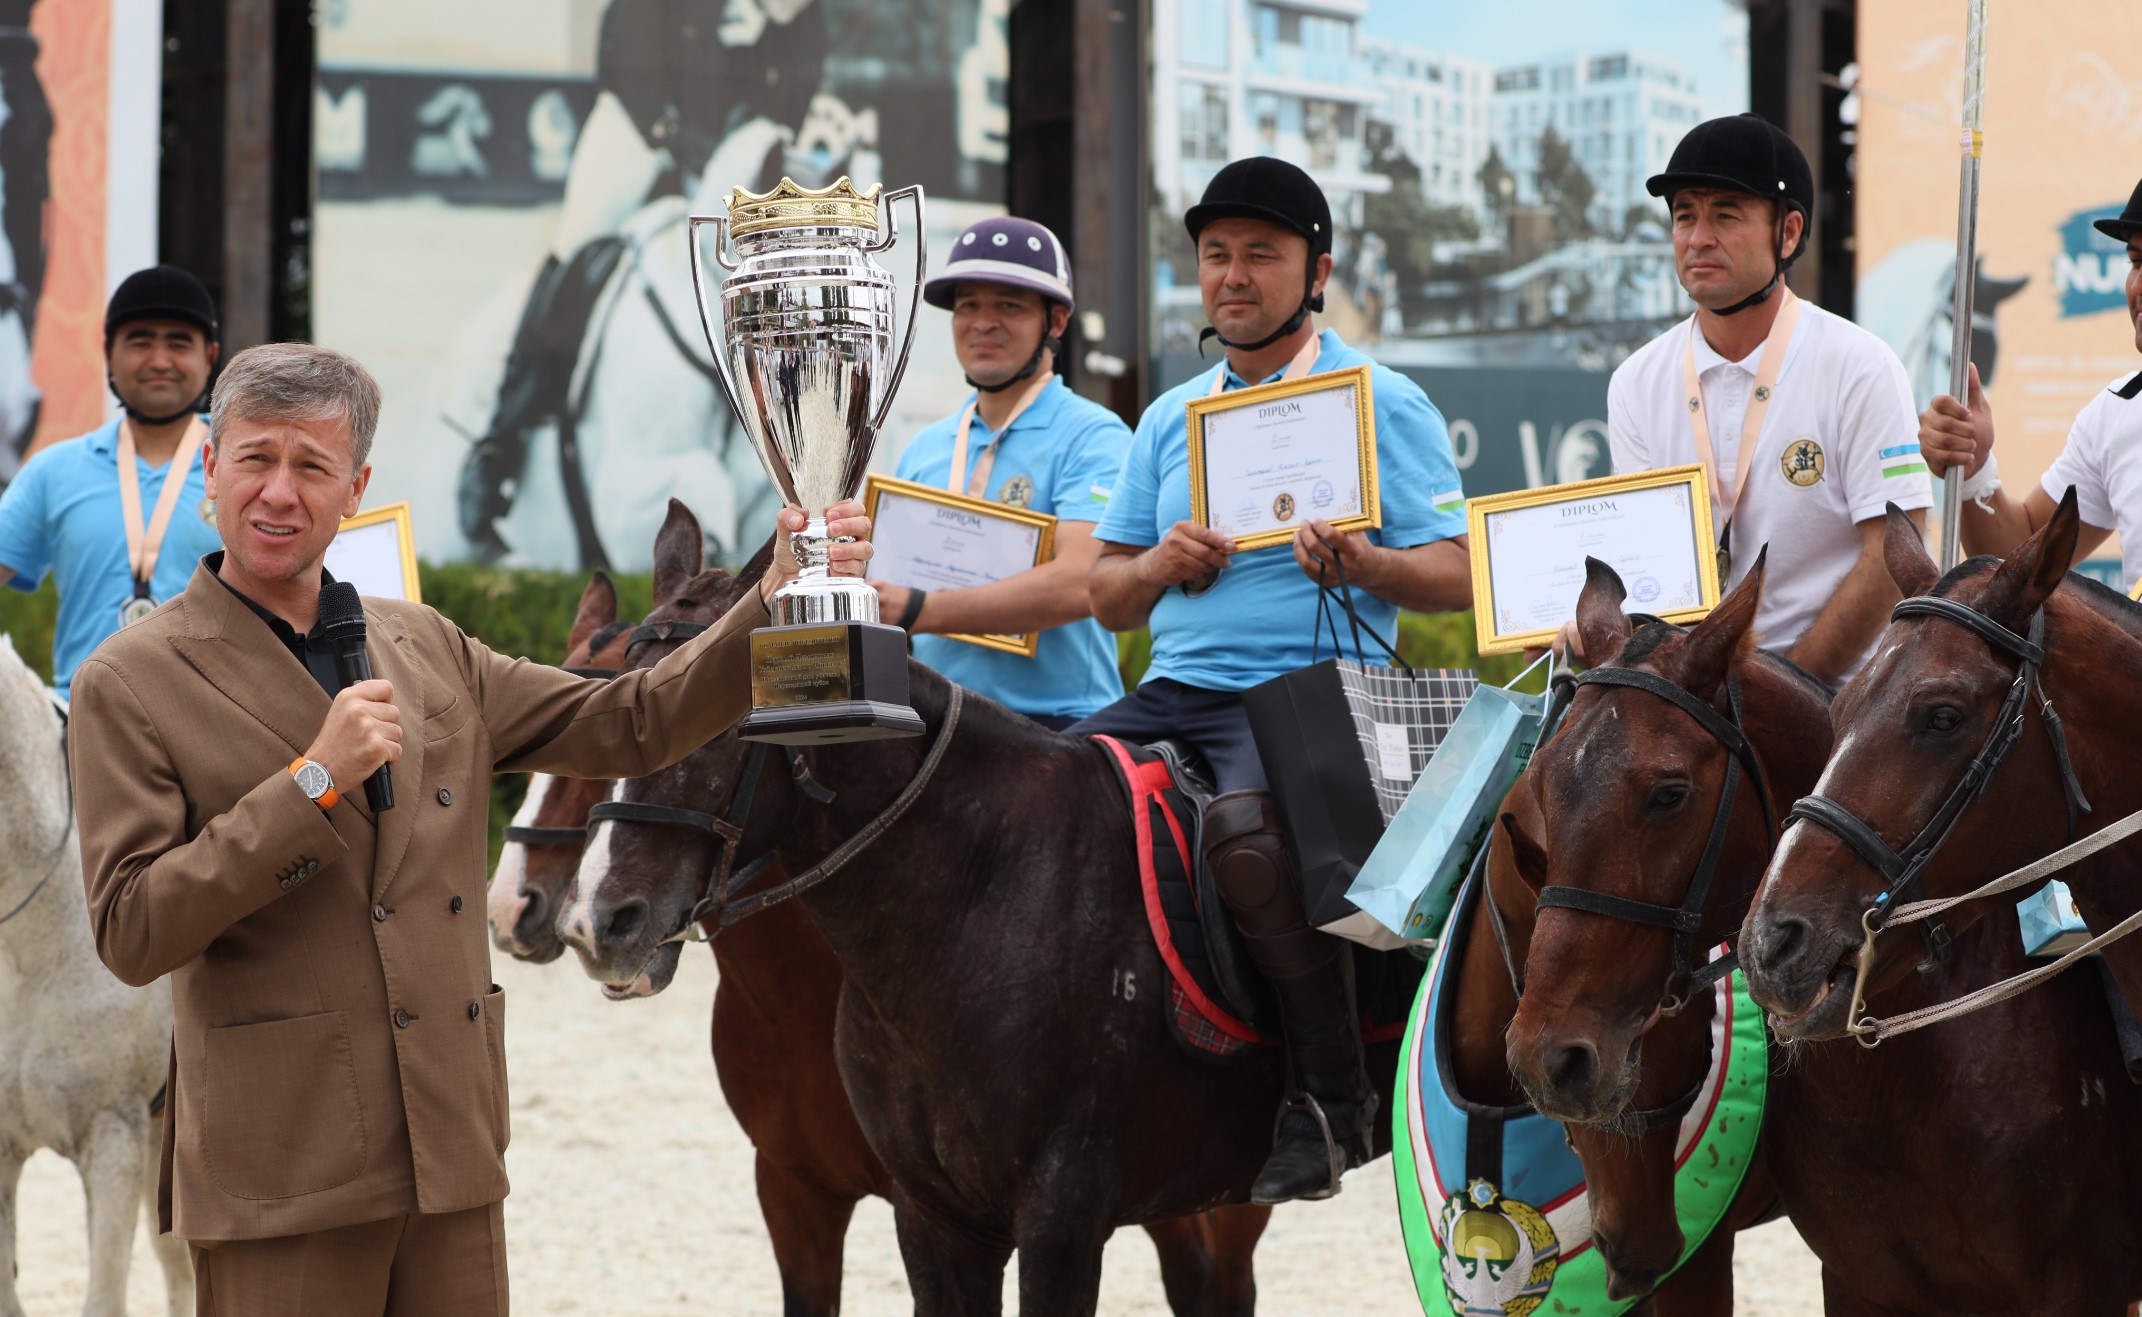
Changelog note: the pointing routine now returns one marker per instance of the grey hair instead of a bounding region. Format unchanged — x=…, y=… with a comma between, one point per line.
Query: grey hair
x=297, y=382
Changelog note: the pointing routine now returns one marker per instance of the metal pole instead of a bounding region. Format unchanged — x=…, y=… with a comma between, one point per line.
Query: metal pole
x=1966, y=265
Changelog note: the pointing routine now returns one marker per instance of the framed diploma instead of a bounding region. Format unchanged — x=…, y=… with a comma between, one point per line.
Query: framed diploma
x=376, y=552
x=1265, y=459
x=927, y=538
x=1529, y=547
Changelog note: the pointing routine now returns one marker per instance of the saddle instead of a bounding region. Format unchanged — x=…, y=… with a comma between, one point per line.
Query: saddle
x=1218, y=1005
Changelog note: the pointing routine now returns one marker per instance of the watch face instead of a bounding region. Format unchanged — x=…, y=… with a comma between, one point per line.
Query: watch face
x=314, y=781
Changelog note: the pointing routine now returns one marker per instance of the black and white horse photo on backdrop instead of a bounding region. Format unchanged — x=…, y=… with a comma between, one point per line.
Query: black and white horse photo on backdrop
x=83, y=1057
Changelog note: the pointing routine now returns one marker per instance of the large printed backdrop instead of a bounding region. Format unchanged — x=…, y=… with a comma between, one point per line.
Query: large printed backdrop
x=1486, y=167
x=2063, y=115
x=497, y=174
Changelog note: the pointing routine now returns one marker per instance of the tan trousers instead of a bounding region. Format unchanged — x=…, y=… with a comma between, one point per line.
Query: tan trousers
x=449, y=1265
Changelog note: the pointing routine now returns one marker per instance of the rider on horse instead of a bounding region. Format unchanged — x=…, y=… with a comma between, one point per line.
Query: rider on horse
x=1026, y=440
x=2102, y=459
x=1223, y=622
x=1803, y=417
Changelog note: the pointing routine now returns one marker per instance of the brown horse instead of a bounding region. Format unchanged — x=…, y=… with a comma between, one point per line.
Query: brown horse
x=1623, y=799
x=1000, y=1027
x=773, y=1039
x=1978, y=1167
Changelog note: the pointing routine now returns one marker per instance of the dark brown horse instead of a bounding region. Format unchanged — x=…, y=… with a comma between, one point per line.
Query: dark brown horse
x=1622, y=800
x=1000, y=1028
x=773, y=1038
x=1979, y=1167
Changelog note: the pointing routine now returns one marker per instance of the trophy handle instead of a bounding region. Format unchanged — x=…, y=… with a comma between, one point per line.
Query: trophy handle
x=706, y=318
x=914, y=301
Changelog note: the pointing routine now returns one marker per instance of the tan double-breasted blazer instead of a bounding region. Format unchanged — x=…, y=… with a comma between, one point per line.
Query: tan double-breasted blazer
x=338, y=1051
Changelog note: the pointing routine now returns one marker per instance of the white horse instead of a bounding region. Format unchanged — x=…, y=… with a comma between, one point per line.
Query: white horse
x=82, y=1056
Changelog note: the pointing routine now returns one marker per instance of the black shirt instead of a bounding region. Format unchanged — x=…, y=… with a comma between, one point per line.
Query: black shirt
x=310, y=649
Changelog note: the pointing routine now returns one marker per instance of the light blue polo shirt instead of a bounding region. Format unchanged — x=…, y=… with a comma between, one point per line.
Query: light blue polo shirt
x=1258, y=619
x=1059, y=456
x=62, y=515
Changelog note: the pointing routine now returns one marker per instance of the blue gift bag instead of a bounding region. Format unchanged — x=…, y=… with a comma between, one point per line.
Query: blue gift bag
x=1411, y=878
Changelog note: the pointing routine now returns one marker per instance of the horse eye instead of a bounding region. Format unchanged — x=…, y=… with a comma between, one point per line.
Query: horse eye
x=1943, y=718
x=1665, y=798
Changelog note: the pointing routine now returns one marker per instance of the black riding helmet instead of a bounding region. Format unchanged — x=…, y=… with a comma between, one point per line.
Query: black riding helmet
x=1263, y=188
x=161, y=292
x=2129, y=222
x=1744, y=153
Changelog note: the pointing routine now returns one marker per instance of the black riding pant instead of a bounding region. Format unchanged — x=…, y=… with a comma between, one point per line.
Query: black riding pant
x=1212, y=722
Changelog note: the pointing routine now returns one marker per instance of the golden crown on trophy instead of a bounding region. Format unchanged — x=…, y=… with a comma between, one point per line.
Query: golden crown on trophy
x=789, y=205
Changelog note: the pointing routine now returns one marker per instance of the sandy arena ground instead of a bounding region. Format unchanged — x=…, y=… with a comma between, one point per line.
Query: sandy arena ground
x=633, y=1193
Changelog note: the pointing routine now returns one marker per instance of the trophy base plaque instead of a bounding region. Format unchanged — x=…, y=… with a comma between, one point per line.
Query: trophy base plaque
x=828, y=682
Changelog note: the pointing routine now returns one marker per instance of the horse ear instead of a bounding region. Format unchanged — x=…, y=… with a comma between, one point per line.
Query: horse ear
x=1601, y=624
x=598, y=609
x=751, y=572
x=1712, y=645
x=1905, y=555
x=679, y=552
x=1531, y=860
x=2034, y=570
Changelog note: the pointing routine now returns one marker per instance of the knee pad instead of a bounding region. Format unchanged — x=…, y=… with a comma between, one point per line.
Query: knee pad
x=1258, y=879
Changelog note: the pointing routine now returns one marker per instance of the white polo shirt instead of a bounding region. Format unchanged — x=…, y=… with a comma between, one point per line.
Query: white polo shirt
x=1840, y=440
x=2103, y=460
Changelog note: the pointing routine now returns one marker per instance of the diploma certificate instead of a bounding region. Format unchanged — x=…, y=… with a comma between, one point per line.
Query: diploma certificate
x=1265, y=459
x=1529, y=547
x=376, y=552
x=929, y=539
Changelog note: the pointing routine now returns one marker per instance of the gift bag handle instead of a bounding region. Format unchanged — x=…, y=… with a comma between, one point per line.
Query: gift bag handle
x=1344, y=598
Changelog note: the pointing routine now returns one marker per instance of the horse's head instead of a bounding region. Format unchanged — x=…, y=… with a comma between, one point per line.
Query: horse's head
x=1628, y=790
x=1928, y=702
x=639, y=881
x=544, y=841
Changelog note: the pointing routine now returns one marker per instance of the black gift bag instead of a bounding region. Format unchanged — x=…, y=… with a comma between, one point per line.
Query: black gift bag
x=1342, y=743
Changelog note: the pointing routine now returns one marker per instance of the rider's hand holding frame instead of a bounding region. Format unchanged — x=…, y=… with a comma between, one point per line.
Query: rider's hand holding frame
x=1264, y=459
x=929, y=539
x=1529, y=546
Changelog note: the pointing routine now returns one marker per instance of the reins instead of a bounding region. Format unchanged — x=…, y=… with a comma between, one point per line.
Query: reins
x=59, y=849
x=1903, y=871
x=528, y=835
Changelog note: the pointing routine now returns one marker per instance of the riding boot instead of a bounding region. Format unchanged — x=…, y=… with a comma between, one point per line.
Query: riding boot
x=1323, y=1128
x=535, y=387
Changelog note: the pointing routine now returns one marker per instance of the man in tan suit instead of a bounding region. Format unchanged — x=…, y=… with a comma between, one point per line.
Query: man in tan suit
x=337, y=1111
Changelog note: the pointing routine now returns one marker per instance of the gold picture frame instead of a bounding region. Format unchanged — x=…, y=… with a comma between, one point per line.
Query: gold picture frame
x=1044, y=543
x=1352, y=377
x=404, y=555
x=1492, y=638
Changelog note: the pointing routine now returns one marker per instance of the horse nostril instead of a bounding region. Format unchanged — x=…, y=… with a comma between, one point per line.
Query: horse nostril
x=1789, y=936
x=625, y=921
x=533, y=905
x=1574, y=1069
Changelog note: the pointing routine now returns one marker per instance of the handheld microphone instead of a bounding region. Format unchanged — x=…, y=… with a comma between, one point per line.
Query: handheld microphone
x=342, y=626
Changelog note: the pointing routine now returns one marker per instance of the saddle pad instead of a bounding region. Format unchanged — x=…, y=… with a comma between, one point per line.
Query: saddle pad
x=1527, y=1236
x=1164, y=823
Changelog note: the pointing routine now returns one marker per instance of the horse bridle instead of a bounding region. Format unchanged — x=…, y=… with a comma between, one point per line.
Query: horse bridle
x=723, y=900
x=59, y=848
x=1903, y=870
x=1684, y=921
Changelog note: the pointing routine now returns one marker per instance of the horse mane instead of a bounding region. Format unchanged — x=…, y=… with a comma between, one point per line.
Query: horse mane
x=1654, y=632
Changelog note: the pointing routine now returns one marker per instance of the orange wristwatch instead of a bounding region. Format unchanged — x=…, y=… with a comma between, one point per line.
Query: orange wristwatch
x=314, y=780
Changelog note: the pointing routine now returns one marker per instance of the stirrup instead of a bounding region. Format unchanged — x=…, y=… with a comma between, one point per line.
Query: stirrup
x=1307, y=1102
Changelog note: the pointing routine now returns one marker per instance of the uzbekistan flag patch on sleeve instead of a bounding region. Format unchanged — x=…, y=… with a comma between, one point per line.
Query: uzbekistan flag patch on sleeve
x=1903, y=460
x=1451, y=498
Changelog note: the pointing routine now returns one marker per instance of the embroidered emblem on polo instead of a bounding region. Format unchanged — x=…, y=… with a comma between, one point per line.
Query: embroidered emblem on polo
x=1018, y=492
x=1802, y=462
x=1501, y=1256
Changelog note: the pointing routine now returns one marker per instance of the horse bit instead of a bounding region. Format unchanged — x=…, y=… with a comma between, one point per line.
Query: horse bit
x=1903, y=870
x=1685, y=921
x=725, y=883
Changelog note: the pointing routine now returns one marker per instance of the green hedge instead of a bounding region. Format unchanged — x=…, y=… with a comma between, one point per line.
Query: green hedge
x=531, y=612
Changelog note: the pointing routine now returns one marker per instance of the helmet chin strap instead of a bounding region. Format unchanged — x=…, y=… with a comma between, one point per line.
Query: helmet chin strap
x=1762, y=295
x=1025, y=372
x=140, y=417
x=1311, y=302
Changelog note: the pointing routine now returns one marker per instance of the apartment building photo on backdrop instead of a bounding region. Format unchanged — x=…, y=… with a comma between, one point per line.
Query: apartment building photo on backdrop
x=1486, y=171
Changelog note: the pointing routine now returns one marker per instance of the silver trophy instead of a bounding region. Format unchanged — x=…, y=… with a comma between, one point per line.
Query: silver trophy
x=805, y=352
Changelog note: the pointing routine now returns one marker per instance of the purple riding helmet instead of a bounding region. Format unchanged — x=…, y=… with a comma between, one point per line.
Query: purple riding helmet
x=1014, y=253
